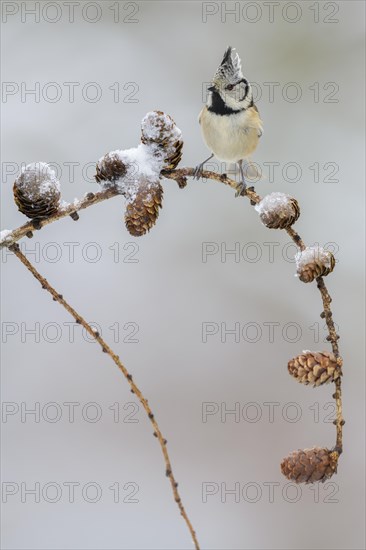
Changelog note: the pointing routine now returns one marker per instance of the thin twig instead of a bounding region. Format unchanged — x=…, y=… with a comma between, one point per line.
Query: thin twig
x=208, y=174
x=26, y=230
x=134, y=388
x=333, y=338
x=327, y=314
x=296, y=238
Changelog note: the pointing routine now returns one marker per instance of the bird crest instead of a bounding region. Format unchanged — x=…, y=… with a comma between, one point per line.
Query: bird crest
x=229, y=69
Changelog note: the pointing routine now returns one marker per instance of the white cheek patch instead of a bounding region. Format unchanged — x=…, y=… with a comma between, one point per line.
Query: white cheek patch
x=234, y=95
x=241, y=88
x=237, y=98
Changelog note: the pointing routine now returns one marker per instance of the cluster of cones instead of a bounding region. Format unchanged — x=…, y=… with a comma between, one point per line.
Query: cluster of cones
x=317, y=463
x=280, y=211
x=37, y=193
x=160, y=134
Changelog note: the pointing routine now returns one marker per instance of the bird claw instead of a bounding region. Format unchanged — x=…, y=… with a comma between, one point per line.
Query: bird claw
x=197, y=174
x=241, y=190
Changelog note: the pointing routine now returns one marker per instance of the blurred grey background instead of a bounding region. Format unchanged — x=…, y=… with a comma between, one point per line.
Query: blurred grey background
x=165, y=302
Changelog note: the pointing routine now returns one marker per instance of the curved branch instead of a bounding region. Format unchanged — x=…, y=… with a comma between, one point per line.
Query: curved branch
x=180, y=176
x=26, y=230
x=115, y=358
x=333, y=338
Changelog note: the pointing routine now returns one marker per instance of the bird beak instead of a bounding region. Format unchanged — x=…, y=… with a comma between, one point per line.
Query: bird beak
x=211, y=88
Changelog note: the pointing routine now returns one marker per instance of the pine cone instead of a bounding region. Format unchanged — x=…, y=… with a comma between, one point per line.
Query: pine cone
x=160, y=130
x=314, y=262
x=110, y=168
x=175, y=157
x=143, y=211
x=309, y=465
x=37, y=191
x=315, y=368
x=278, y=211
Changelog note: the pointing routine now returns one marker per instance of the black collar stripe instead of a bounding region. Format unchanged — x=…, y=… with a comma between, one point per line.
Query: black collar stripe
x=219, y=107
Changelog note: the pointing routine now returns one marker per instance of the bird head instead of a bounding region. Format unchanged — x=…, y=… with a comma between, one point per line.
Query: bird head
x=230, y=84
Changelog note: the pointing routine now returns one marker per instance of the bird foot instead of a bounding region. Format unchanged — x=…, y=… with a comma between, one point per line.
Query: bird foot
x=241, y=190
x=197, y=174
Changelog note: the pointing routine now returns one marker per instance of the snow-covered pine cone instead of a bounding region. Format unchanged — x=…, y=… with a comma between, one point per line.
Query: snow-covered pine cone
x=142, y=210
x=110, y=168
x=136, y=172
x=309, y=465
x=315, y=367
x=278, y=211
x=314, y=262
x=37, y=191
x=159, y=129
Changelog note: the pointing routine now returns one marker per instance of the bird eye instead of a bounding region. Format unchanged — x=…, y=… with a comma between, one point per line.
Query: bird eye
x=229, y=87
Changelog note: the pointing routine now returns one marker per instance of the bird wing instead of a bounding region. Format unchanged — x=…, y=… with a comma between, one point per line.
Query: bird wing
x=200, y=115
x=255, y=120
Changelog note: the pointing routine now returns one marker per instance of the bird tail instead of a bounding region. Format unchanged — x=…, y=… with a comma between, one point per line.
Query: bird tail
x=252, y=170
